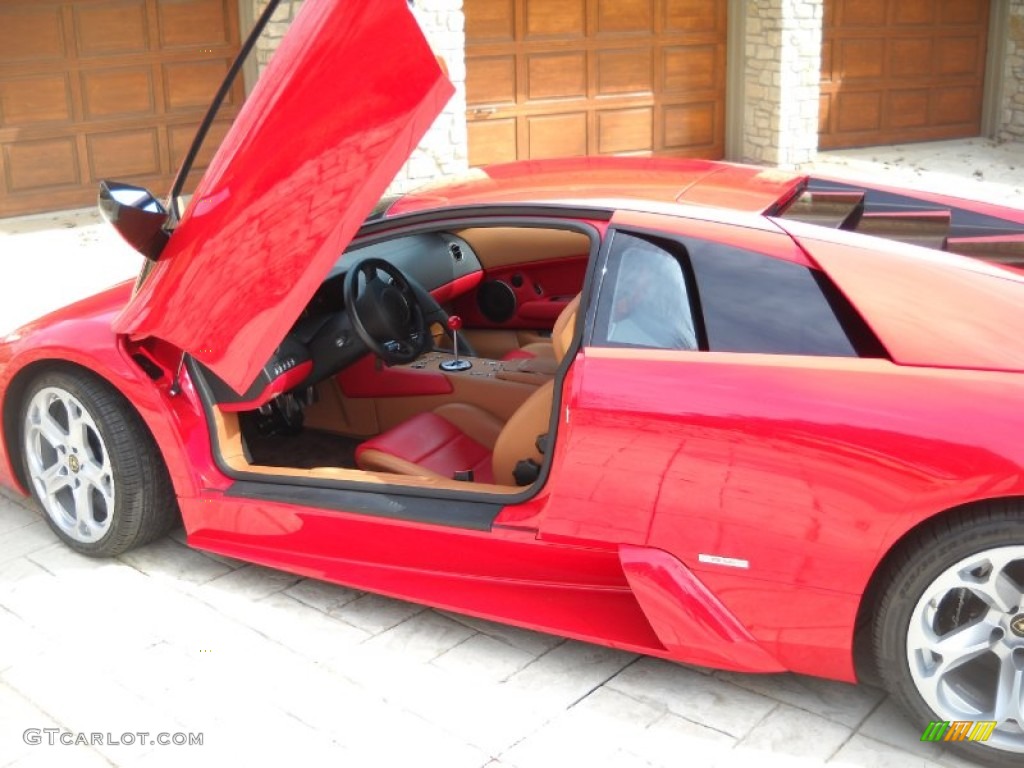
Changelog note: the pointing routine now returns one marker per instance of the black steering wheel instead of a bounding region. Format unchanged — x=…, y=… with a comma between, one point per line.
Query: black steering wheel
x=386, y=313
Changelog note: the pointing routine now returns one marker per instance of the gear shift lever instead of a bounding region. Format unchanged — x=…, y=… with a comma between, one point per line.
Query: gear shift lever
x=455, y=364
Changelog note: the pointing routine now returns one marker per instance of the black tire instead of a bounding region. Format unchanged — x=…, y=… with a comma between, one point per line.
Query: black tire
x=925, y=558
x=144, y=506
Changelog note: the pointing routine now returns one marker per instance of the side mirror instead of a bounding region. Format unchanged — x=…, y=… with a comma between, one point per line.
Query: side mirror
x=136, y=215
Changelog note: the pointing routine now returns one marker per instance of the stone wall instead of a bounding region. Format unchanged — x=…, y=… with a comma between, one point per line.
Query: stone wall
x=1011, y=126
x=444, y=150
x=781, y=81
x=275, y=30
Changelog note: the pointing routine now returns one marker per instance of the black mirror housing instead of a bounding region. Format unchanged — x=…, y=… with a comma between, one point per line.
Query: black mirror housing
x=136, y=215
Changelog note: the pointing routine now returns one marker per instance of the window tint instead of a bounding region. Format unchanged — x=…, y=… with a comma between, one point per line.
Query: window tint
x=755, y=303
x=697, y=294
x=644, y=299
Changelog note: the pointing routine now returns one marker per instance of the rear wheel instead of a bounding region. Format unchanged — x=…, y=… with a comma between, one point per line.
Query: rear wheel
x=93, y=465
x=949, y=634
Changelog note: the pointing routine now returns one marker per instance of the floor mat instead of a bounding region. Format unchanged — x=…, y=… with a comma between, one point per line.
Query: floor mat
x=310, y=448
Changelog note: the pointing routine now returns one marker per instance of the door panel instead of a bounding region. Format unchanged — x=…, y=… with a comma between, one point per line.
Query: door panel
x=523, y=296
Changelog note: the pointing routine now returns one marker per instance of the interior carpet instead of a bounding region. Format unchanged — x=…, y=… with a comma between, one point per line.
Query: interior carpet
x=310, y=448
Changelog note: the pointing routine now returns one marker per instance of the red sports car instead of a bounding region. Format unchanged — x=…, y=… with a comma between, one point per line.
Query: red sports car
x=725, y=415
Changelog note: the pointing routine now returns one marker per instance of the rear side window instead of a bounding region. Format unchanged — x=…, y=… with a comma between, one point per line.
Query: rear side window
x=690, y=294
x=755, y=303
x=645, y=298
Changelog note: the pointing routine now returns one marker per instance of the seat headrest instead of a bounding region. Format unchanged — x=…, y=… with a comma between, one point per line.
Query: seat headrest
x=564, y=329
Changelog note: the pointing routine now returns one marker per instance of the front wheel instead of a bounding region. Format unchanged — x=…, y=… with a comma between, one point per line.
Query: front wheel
x=93, y=466
x=949, y=634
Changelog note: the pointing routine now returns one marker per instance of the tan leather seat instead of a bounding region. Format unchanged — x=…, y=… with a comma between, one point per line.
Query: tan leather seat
x=543, y=350
x=460, y=437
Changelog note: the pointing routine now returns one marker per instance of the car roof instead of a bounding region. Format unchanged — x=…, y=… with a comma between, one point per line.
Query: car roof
x=693, y=182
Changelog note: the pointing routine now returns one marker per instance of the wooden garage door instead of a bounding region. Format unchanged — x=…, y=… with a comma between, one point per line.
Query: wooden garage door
x=96, y=89
x=902, y=70
x=550, y=78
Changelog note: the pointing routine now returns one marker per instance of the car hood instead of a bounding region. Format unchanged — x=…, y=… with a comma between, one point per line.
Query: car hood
x=349, y=93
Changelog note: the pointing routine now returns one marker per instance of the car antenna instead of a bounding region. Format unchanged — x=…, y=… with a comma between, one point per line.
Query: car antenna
x=175, y=389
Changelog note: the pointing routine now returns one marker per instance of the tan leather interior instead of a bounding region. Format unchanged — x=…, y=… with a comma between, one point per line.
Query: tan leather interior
x=562, y=333
x=505, y=246
x=474, y=423
x=503, y=405
x=518, y=440
x=480, y=386
x=495, y=343
x=565, y=328
x=540, y=349
x=229, y=441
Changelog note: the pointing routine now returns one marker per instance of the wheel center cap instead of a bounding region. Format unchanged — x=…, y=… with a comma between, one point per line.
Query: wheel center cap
x=74, y=465
x=1017, y=625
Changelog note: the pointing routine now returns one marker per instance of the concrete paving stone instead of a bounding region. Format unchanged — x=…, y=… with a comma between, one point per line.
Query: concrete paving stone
x=64, y=756
x=18, y=640
x=378, y=732
x=841, y=702
x=151, y=671
x=293, y=625
x=17, y=714
x=169, y=561
x=950, y=759
x=376, y=613
x=484, y=658
x=489, y=716
x=10, y=498
x=701, y=698
x=20, y=579
x=247, y=666
x=204, y=702
x=87, y=595
x=595, y=731
x=186, y=622
x=564, y=756
x=248, y=583
x=567, y=673
x=284, y=622
x=60, y=560
x=534, y=643
x=671, y=739
x=861, y=751
x=82, y=698
x=322, y=595
x=24, y=540
x=250, y=739
x=422, y=637
x=889, y=725
x=798, y=733
x=14, y=516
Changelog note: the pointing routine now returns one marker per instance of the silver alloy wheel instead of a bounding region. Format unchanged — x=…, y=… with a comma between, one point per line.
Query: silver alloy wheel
x=69, y=465
x=965, y=644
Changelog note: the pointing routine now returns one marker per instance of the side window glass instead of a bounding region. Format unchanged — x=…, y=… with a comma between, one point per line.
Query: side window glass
x=755, y=303
x=644, y=299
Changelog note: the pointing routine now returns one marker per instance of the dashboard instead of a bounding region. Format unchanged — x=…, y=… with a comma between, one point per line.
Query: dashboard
x=322, y=341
